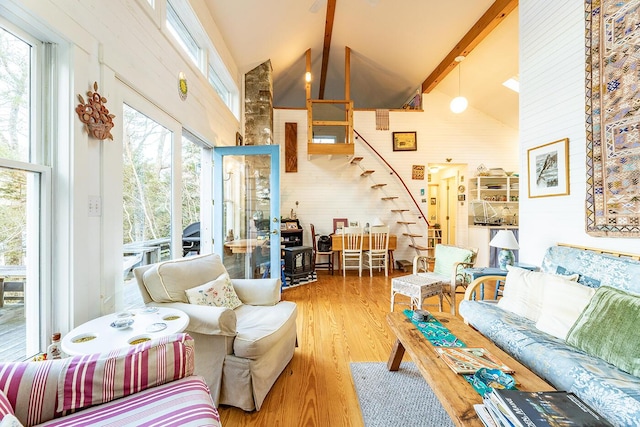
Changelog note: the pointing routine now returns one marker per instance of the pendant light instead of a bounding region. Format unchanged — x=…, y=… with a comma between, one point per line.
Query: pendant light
x=459, y=103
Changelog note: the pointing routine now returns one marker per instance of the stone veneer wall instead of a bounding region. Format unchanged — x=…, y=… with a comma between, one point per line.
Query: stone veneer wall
x=258, y=105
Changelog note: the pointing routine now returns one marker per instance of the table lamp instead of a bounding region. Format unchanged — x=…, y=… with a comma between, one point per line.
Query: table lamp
x=506, y=241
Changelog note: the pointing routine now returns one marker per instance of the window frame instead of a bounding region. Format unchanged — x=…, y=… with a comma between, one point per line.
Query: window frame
x=42, y=133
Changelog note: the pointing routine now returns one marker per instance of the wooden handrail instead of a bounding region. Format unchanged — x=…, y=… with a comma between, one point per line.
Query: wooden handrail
x=424, y=217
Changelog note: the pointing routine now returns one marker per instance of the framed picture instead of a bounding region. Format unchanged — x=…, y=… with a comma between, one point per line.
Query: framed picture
x=404, y=141
x=283, y=226
x=239, y=139
x=433, y=201
x=339, y=224
x=548, y=167
x=417, y=172
x=292, y=225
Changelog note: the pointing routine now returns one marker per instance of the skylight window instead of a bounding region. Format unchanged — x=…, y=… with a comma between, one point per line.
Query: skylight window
x=179, y=30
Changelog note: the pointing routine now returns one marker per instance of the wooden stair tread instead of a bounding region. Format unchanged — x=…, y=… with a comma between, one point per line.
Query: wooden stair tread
x=367, y=172
x=390, y=198
x=399, y=210
x=378, y=185
x=356, y=160
x=418, y=247
x=411, y=235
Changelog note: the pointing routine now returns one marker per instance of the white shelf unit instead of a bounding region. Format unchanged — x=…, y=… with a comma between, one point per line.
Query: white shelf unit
x=502, y=192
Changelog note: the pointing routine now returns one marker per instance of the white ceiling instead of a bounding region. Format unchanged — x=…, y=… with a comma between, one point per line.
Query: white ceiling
x=395, y=45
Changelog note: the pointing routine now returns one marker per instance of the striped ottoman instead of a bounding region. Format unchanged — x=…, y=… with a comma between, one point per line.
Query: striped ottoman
x=417, y=288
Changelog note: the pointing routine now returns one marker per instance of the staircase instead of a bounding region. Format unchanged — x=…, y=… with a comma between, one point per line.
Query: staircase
x=409, y=224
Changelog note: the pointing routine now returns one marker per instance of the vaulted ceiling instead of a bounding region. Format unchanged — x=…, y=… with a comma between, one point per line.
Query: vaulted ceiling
x=395, y=46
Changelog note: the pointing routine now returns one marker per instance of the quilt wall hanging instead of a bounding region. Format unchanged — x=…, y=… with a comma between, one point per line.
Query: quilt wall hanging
x=612, y=29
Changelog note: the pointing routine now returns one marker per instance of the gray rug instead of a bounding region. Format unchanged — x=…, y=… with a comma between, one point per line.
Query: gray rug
x=401, y=398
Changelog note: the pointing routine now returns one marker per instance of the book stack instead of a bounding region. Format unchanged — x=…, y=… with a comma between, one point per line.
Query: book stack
x=514, y=408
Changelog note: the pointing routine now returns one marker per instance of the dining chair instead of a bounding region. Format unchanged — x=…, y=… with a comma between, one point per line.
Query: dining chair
x=317, y=255
x=352, y=238
x=377, y=254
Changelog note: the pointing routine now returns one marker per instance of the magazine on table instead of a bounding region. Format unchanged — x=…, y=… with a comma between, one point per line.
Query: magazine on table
x=484, y=415
x=546, y=409
x=467, y=360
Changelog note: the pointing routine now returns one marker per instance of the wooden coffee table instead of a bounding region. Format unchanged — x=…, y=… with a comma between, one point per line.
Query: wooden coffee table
x=454, y=392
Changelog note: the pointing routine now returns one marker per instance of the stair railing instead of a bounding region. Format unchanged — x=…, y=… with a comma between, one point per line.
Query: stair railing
x=422, y=215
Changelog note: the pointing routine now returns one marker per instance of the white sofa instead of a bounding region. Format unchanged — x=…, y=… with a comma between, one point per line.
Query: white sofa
x=240, y=352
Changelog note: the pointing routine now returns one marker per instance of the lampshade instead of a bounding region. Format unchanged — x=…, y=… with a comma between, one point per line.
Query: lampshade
x=377, y=222
x=458, y=104
x=504, y=239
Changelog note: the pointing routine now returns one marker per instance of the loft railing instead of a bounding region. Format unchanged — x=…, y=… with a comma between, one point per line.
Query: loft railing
x=333, y=120
x=415, y=203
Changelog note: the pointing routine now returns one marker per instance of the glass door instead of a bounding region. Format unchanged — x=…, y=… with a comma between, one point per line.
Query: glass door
x=247, y=210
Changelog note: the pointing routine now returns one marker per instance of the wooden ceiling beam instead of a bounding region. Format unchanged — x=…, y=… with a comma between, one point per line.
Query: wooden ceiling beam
x=328, y=31
x=490, y=20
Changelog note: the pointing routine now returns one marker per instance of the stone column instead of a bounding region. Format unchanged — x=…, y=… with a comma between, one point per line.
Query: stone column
x=258, y=105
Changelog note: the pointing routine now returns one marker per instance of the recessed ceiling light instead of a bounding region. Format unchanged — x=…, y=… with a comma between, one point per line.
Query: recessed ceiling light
x=512, y=84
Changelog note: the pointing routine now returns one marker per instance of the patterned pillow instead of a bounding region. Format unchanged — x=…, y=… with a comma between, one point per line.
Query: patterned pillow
x=102, y=377
x=5, y=405
x=219, y=293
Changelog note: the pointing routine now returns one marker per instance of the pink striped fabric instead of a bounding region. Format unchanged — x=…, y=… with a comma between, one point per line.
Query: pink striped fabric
x=5, y=405
x=185, y=403
x=31, y=388
x=98, y=378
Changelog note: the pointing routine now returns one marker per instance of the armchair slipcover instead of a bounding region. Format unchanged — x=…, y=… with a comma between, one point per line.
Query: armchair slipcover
x=240, y=352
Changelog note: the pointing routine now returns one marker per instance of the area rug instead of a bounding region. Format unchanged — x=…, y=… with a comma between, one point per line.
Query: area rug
x=400, y=398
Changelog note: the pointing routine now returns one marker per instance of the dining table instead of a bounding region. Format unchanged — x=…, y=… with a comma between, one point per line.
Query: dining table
x=336, y=245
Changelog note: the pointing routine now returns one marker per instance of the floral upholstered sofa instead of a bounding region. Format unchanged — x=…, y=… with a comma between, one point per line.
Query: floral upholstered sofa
x=580, y=333
x=149, y=384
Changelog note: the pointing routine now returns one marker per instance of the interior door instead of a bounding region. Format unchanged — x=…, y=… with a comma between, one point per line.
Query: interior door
x=246, y=230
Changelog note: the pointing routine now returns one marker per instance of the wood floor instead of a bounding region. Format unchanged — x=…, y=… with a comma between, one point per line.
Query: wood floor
x=340, y=320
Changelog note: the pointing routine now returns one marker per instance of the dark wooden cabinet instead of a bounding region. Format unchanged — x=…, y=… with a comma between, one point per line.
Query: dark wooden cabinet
x=291, y=236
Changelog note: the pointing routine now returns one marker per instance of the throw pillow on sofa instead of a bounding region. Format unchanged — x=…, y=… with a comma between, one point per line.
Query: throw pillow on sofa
x=608, y=328
x=562, y=303
x=524, y=289
x=219, y=293
x=167, y=280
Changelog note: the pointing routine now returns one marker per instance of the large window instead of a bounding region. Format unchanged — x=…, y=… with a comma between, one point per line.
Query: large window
x=21, y=195
x=147, y=188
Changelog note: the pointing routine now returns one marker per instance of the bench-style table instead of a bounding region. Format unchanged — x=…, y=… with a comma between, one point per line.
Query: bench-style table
x=454, y=392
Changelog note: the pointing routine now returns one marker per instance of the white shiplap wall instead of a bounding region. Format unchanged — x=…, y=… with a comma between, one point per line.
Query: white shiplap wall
x=332, y=188
x=552, y=98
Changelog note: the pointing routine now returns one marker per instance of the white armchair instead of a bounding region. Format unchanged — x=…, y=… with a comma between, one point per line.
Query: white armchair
x=239, y=352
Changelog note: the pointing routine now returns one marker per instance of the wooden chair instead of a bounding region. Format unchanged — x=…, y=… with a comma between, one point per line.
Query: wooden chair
x=352, y=249
x=317, y=255
x=377, y=254
x=449, y=262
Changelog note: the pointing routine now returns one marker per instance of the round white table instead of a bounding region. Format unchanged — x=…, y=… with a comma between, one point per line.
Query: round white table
x=98, y=336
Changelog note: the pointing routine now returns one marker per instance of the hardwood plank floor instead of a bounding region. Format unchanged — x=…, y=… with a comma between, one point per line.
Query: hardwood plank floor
x=340, y=320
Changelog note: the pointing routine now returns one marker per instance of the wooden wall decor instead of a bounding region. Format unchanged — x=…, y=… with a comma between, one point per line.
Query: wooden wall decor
x=291, y=147
x=96, y=117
